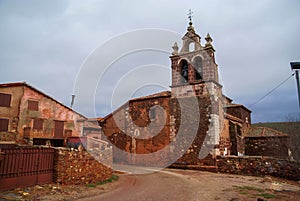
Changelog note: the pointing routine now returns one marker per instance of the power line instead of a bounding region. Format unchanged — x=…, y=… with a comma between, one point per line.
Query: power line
x=281, y=83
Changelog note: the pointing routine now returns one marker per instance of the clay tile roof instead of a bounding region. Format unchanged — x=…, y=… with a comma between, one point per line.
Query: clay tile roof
x=264, y=132
x=231, y=105
x=13, y=84
x=99, y=118
x=156, y=95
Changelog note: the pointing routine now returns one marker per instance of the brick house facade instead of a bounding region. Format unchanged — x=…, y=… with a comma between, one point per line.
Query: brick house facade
x=29, y=116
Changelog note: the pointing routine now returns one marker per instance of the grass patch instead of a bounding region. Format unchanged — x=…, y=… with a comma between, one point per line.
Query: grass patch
x=249, y=188
x=113, y=178
x=91, y=185
x=266, y=195
x=253, y=192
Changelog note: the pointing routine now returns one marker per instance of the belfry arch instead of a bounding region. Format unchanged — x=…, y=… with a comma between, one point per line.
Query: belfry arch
x=198, y=67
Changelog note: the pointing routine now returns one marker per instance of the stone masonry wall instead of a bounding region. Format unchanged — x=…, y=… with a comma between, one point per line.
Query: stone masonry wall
x=135, y=137
x=186, y=120
x=259, y=166
x=249, y=165
x=78, y=167
x=267, y=146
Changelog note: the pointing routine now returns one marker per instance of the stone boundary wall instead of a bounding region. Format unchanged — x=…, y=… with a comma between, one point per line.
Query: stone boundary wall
x=249, y=165
x=73, y=167
x=259, y=166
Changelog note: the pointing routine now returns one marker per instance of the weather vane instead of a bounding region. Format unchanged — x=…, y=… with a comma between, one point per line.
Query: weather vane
x=190, y=15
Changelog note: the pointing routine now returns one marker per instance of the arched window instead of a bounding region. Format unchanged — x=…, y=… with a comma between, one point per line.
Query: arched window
x=192, y=47
x=184, y=70
x=197, y=64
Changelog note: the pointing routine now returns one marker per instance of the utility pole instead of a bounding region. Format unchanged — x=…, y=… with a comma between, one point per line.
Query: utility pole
x=296, y=67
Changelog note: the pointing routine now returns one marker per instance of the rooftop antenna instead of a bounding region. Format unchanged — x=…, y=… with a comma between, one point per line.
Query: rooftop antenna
x=72, y=101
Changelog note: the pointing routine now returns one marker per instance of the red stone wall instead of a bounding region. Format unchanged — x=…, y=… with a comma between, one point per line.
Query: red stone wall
x=129, y=131
x=78, y=167
x=185, y=118
x=259, y=166
x=225, y=144
x=249, y=165
x=267, y=146
x=119, y=131
x=190, y=124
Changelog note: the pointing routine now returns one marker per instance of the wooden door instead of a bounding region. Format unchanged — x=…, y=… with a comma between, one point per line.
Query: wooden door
x=59, y=129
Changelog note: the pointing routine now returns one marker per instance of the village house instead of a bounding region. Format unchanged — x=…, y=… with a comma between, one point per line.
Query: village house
x=195, y=106
x=265, y=141
x=290, y=127
x=29, y=116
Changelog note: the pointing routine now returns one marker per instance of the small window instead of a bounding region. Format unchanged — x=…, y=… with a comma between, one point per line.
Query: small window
x=33, y=105
x=5, y=100
x=152, y=113
x=4, y=124
x=38, y=124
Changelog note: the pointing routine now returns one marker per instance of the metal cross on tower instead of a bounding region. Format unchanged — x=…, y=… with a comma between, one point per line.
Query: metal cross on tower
x=190, y=15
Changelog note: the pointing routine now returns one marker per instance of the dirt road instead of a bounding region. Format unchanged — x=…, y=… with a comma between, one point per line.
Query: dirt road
x=168, y=184
x=195, y=185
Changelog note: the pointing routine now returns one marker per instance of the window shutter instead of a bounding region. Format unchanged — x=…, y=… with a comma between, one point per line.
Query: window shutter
x=38, y=124
x=5, y=100
x=4, y=124
x=33, y=105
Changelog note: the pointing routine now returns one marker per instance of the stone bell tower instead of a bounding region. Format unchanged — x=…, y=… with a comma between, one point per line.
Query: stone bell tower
x=194, y=64
x=195, y=74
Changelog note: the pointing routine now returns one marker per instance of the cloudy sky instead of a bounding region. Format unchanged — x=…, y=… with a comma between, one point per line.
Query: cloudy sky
x=47, y=43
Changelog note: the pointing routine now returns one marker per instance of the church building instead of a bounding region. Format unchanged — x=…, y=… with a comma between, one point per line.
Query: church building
x=189, y=123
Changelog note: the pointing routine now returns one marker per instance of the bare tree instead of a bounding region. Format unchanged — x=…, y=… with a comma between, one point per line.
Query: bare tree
x=292, y=128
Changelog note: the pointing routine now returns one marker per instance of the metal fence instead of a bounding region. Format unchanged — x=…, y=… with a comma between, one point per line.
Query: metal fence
x=25, y=166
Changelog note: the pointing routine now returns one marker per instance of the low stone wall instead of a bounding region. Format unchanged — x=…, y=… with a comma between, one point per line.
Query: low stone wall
x=78, y=167
x=259, y=166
